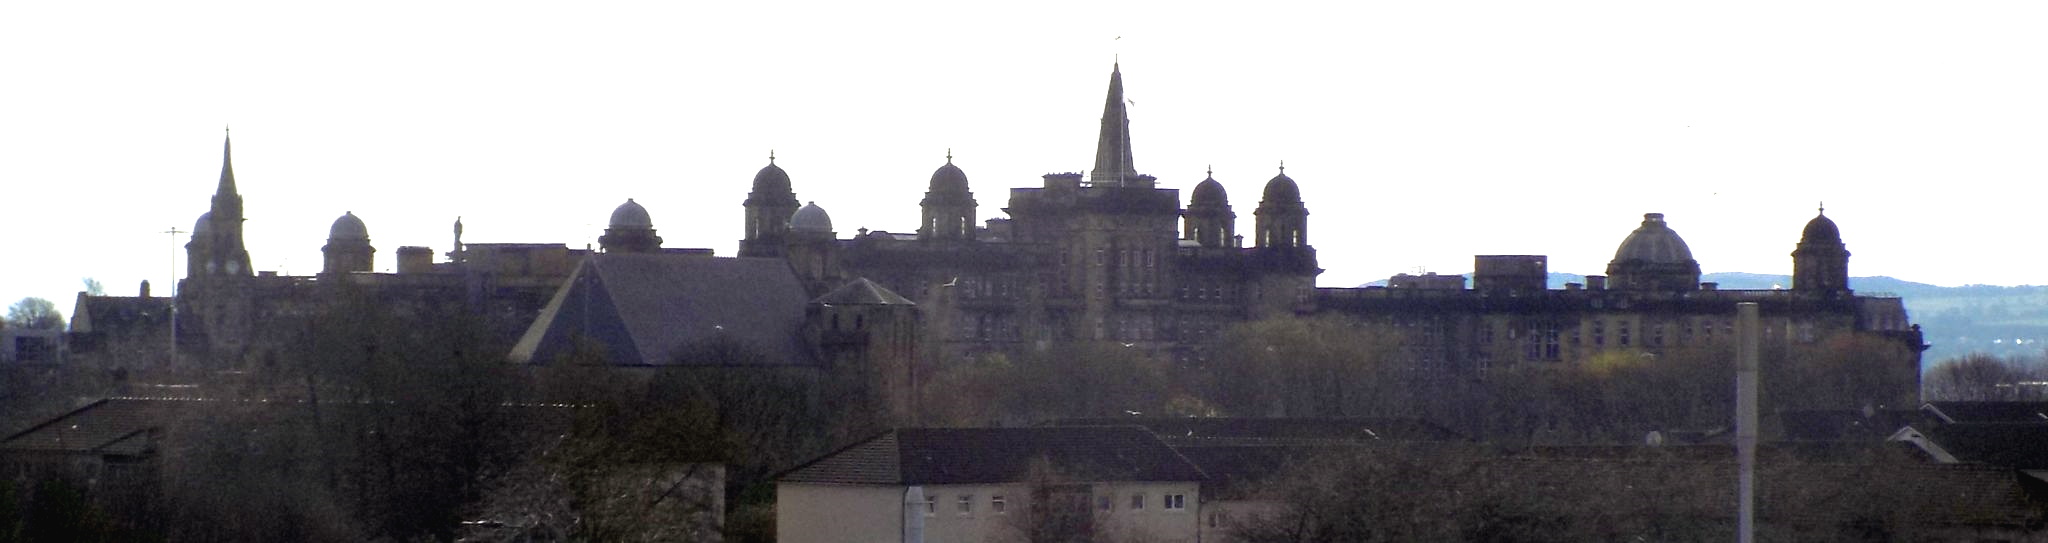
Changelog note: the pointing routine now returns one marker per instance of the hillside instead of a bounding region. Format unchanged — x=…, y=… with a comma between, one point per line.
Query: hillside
x=2000, y=320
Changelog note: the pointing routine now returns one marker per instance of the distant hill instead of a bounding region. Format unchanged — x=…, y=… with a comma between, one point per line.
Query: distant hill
x=2003, y=321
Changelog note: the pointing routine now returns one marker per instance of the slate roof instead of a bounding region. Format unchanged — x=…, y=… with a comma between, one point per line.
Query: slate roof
x=1189, y=430
x=1811, y=494
x=655, y=309
x=1847, y=424
x=936, y=456
x=118, y=313
x=2034, y=412
x=861, y=291
x=2004, y=444
x=109, y=426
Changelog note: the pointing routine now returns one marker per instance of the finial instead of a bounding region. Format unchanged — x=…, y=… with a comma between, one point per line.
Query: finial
x=949, y=155
x=1283, y=166
x=1823, y=208
x=771, y=156
x=1212, y=171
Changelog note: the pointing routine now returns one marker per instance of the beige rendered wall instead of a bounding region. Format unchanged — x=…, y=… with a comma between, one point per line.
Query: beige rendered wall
x=806, y=513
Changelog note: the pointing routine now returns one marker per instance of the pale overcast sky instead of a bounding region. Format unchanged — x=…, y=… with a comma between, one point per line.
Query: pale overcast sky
x=1421, y=133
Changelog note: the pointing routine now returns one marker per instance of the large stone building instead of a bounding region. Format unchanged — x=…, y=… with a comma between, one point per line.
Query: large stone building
x=1107, y=255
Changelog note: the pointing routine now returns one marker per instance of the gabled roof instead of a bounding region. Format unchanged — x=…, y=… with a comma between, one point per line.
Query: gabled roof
x=2003, y=444
x=1189, y=430
x=861, y=291
x=656, y=309
x=118, y=313
x=936, y=456
x=2033, y=412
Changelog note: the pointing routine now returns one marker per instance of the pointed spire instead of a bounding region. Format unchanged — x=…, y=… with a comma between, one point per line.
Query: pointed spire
x=227, y=164
x=1113, y=147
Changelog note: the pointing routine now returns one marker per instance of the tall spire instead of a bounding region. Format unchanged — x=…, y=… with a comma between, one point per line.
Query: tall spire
x=227, y=164
x=1113, y=147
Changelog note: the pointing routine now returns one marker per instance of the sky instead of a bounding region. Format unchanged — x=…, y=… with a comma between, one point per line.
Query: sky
x=1421, y=133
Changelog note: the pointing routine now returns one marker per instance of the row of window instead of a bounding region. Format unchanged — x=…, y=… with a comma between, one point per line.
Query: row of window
x=964, y=503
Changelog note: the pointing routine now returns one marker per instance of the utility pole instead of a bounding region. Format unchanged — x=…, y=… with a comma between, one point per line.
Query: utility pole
x=174, y=231
x=1748, y=332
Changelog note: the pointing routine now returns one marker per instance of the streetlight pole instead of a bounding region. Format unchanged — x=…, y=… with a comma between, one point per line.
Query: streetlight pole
x=173, y=305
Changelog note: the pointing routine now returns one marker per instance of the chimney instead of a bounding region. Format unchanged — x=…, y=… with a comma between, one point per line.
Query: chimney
x=1710, y=285
x=1596, y=282
x=145, y=288
x=415, y=260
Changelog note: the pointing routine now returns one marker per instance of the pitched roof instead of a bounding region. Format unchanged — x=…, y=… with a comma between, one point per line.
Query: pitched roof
x=932, y=456
x=118, y=313
x=108, y=426
x=2004, y=444
x=1189, y=430
x=861, y=291
x=657, y=309
x=2034, y=412
x=1847, y=424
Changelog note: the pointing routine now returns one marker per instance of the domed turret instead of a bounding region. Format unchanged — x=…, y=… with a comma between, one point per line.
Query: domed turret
x=348, y=227
x=631, y=231
x=769, y=207
x=1821, y=229
x=631, y=215
x=1820, y=263
x=1282, y=220
x=811, y=219
x=1653, y=257
x=1282, y=189
x=948, y=207
x=771, y=179
x=1210, y=192
x=204, y=226
x=1208, y=219
x=949, y=179
x=348, y=247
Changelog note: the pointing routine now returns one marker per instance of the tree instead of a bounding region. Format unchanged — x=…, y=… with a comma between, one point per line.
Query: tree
x=1311, y=367
x=1971, y=377
x=93, y=287
x=35, y=314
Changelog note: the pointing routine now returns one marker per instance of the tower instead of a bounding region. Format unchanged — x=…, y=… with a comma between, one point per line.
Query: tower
x=1281, y=219
x=1208, y=219
x=948, y=205
x=348, y=247
x=216, y=248
x=1821, y=262
x=1113, y=164
x=631, y=230
x=769, y=207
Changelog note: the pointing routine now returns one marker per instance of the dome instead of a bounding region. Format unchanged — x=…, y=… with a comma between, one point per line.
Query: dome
x=771, y=180
x=1654, y=242
x=1821, y=229
x=949, y=179
x=1282, y=190
x=630, y=215
x=348, y=227
x=204, y=225
x=1209, y=193
x=810, y=219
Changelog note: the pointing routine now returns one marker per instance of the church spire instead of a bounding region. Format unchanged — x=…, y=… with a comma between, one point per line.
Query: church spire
x=1113, y=147
x=227, y=164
